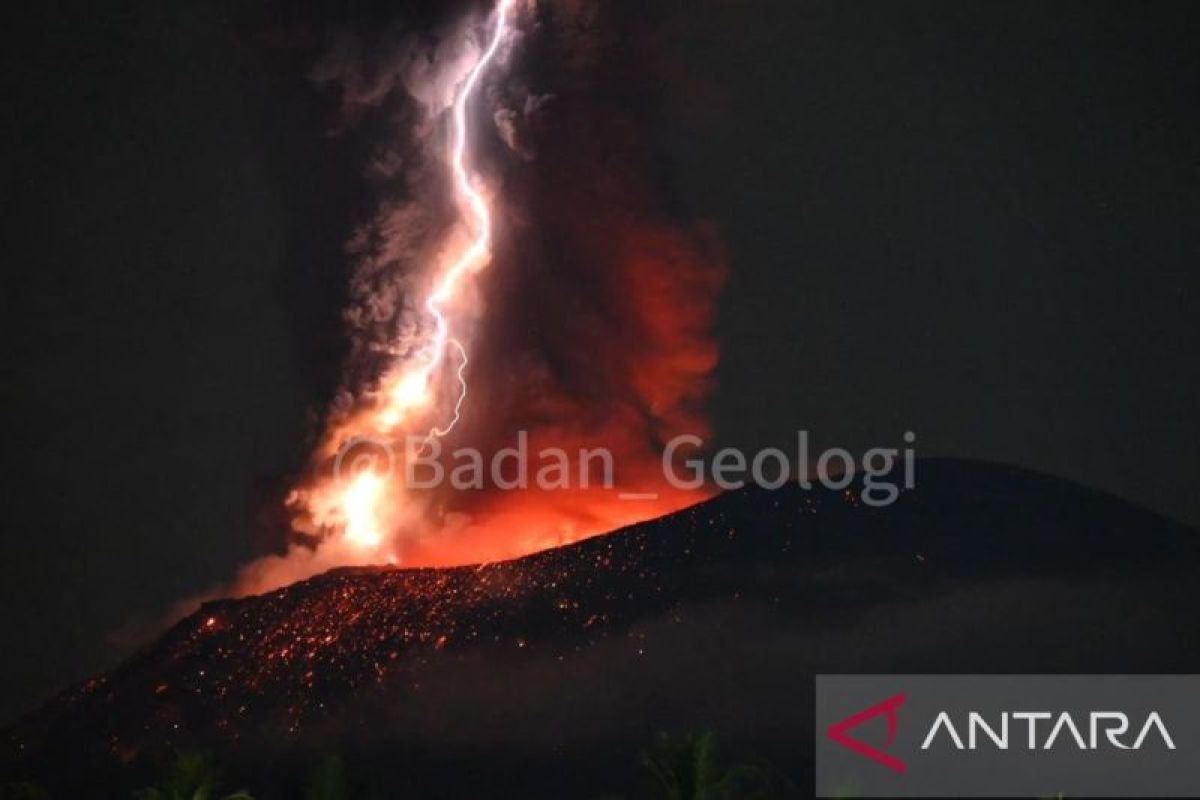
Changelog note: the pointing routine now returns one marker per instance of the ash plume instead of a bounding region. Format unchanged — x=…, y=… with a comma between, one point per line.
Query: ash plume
x=590, y=327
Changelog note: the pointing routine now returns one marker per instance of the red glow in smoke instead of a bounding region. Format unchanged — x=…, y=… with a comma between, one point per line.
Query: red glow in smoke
x=596, y=334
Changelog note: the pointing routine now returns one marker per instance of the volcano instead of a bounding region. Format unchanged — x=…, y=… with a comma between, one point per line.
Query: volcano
x=544, y=676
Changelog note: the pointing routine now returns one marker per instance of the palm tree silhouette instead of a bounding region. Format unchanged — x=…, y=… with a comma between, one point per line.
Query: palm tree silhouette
x=686, y=767
x=190, y=776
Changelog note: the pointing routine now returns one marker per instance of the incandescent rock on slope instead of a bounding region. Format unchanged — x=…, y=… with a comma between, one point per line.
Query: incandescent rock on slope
x=557, y=667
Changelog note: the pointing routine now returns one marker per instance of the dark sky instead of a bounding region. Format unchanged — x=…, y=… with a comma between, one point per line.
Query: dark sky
x=973, y=221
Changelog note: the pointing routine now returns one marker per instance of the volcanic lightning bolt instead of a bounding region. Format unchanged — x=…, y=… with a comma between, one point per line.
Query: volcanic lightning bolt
x=414, y=386
x=358, y=506
x=477, y=255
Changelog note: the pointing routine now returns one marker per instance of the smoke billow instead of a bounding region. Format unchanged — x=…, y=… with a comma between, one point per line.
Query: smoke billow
x=590, y=328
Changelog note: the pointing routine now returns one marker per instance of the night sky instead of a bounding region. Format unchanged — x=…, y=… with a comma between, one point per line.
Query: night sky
x=973, y=221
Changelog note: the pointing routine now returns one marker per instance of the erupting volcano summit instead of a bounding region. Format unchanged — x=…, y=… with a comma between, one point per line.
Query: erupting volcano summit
x=592, y=330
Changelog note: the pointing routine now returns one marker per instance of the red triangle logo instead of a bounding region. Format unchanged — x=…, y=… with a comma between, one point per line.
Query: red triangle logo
x=838, y=732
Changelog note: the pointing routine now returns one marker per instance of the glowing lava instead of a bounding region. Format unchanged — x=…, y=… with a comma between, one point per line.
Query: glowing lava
x=360, y=503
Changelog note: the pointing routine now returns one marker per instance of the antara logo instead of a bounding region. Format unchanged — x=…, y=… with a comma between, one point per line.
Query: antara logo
x=838, y=732
x=1113, y=724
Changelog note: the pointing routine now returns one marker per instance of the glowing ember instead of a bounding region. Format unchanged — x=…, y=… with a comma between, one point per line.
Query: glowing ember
x=294, y=658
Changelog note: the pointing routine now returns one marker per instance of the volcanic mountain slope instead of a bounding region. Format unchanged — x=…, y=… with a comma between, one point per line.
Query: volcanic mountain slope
x=548, y=673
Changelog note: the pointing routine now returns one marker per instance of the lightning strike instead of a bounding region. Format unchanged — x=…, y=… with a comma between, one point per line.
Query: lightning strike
x=358, y=510
x=411, y=389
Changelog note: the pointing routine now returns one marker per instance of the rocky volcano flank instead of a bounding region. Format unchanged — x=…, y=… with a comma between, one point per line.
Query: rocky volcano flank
x=547, y=673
